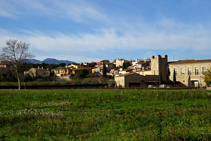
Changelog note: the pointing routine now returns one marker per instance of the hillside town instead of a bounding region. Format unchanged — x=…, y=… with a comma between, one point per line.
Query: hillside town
x=131, y=73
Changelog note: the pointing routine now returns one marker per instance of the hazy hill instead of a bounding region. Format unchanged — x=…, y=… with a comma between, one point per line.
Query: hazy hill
x=49, y=61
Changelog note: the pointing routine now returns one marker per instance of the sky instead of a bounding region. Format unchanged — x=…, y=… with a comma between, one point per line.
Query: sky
x=93, y=30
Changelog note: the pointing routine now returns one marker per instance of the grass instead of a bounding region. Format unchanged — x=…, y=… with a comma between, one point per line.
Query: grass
x=105, y=115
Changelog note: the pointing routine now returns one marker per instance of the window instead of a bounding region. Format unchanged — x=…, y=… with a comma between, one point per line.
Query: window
x=189, y=71
x=204, y=70
x=182, y=71
x=196, y=70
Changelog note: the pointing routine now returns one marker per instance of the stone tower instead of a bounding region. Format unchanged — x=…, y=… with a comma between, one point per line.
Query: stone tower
x=159, y=65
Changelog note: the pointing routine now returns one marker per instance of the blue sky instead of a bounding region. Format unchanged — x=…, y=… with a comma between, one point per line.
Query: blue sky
x=92, y=30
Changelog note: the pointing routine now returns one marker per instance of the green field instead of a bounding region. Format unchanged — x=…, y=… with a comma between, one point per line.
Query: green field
x=105, y=115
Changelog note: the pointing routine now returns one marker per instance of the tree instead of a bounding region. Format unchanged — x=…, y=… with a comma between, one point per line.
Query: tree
x=160, y=78
x=207, y=77
x=123, y=66
x=44, y=65
x=174, y=77
x=83, y=73
x=15, y=53
x=104, y=70
x=167, y=77
x=62, y=64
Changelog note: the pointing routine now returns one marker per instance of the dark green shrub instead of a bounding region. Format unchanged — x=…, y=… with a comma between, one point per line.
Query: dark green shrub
x=94, y=82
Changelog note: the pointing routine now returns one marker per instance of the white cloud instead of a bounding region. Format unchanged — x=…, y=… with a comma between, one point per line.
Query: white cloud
x=108, y=39
x=80, y=11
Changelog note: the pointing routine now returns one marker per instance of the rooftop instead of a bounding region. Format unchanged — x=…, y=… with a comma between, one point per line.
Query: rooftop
x=190, y=61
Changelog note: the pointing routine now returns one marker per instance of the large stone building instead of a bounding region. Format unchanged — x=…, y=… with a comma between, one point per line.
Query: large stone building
x=189, y=72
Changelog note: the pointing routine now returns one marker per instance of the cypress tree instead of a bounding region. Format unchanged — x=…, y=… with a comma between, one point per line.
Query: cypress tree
x=174, y=77
x=104, y=70
x=167, y=78
x=123, y=66
x=160, y=78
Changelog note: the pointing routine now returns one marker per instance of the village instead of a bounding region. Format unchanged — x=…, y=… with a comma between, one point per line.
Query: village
x=134, y=73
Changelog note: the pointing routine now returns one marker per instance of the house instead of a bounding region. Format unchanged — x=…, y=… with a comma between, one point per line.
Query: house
x=129, y=80
x=144, y=70
x=5, y=68
x=62, y=71
x=109, y=66
x=125, y=71
x=4, y=65
x=119, y=62
x=37, y=72
x=189, y=72
x=75, y=66
x=92, y=65
x=99, y=67
x=114, y=71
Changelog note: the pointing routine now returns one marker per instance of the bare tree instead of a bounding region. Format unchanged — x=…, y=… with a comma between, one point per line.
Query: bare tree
x=15, y=54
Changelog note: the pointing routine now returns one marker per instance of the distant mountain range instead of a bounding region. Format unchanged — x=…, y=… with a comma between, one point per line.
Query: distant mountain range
x=49, y=61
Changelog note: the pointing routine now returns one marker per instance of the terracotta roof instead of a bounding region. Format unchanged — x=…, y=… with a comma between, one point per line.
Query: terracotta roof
x=142, y=62
x=117, y=68
x=108, y=63
x=84, y=69
x=127, y=74
x=99, y=63
x=148, y=70
x=190, y=61
x=105, y=60
x=59, y=68
x=127, y=70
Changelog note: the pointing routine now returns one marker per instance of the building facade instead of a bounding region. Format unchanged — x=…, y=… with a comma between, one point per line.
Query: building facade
x=189, y=72
x=37, y=72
